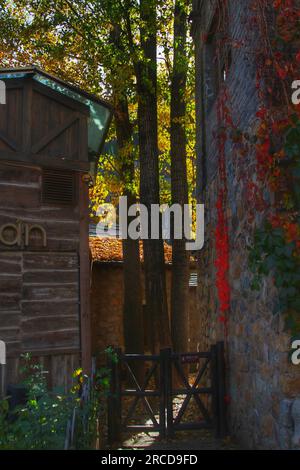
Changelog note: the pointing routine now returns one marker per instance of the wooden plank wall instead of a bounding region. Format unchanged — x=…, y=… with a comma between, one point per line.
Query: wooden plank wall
x=39, y=286
x=39, y=125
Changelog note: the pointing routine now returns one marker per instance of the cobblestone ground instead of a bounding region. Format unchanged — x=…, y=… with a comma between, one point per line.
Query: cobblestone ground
x=200, y=440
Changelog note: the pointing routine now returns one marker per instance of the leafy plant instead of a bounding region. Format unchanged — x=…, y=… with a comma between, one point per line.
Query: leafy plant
x=273, y=253
x=42, y=422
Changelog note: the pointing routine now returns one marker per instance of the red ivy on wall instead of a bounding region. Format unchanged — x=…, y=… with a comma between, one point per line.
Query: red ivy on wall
x=272, y=126
x=222, y=259
x=221, y=232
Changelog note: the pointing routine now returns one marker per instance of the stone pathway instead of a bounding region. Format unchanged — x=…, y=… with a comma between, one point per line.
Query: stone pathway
x=196, y=440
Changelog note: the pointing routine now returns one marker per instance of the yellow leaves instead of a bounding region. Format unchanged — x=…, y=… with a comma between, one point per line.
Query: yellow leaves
x=82, y=54
x=126, y=151
x=181, y=121
x=77, y=372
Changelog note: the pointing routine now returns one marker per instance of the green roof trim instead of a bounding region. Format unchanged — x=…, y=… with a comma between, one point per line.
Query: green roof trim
x=100, y=110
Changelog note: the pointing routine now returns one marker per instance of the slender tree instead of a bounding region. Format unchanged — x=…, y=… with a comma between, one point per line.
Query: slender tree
x=132, y=302
x=179, y=184
x=155, y=283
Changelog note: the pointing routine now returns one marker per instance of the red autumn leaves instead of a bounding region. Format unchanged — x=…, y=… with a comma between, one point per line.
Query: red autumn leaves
x=264, y=158
x=222, y=258
x=291, y=229
x=287, y=28
x=221, y=232
x=271, y=127
x=268, y=170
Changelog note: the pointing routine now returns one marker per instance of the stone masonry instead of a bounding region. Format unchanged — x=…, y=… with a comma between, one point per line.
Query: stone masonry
x=262, y=383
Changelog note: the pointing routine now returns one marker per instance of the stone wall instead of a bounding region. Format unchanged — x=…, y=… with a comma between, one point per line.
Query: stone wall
x=106, y=306
x=107, y=302
x=261, y=382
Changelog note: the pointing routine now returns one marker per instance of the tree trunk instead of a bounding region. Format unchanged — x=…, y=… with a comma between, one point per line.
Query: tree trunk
x=179, y=186
x=132, y=306
x=132, y=301
x=155, y=283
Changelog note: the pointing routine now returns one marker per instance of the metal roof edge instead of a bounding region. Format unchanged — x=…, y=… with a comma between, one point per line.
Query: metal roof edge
x=75, y=88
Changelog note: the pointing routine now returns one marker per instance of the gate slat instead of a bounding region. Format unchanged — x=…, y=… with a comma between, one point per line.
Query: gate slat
x=189, y=395
x=144, y=399
x=167, y=425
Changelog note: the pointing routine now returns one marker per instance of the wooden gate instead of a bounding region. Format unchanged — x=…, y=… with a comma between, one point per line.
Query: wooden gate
x=166, y=390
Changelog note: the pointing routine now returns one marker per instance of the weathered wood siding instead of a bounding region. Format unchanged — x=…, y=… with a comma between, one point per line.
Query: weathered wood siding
x=42, y=285
x=39, y=125
x=39, y=286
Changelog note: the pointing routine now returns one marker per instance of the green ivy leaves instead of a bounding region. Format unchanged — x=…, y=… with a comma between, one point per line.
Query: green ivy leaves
x=272, y=254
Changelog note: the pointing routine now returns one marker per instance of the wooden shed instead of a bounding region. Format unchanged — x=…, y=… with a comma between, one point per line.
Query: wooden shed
x=50, y=133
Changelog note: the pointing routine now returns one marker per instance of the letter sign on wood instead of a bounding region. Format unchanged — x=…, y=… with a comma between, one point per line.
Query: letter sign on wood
x=20, y=228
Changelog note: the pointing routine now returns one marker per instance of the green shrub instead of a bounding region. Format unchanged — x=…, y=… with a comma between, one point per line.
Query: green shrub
x=43, y=421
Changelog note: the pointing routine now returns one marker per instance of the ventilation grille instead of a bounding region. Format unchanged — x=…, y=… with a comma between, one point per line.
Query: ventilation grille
x=193, y=282
x=59, y=187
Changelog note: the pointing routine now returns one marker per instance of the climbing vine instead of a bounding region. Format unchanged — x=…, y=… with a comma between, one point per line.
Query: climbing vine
x=221, y=233
x=273, y=188
x=225, y=124
x=276, y=246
